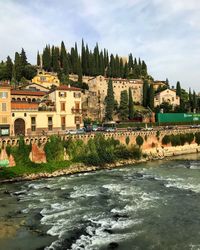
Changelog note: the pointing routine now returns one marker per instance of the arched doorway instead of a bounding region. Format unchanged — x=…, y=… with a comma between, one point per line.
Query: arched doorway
x=19, y=126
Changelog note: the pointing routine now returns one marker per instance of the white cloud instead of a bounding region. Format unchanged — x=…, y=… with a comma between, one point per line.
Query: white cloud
x=164, y=33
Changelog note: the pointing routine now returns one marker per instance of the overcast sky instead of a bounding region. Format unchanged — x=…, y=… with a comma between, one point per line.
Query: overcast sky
x=164, y=33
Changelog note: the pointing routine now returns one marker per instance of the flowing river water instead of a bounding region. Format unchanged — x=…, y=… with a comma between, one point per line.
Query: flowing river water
x=154, y=205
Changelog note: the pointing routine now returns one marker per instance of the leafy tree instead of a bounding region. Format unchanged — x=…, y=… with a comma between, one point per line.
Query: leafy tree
x=109, y=102
x=130, y=105
x=23, y=58
x=123, y=107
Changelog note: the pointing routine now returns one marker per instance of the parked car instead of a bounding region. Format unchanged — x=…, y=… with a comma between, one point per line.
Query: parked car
x=80, y=131
x=109, y=129
x=71, y=132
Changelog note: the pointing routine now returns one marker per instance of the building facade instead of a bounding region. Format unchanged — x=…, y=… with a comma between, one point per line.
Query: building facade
x=42, y=113
x=168, y=96
x=46, y=79
x=94, y=98
x=5, y=110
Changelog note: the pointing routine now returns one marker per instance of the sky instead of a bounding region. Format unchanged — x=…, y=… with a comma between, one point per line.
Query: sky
x=163, y=33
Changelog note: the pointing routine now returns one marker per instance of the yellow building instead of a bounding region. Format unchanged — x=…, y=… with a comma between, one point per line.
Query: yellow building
x=168, y=96
x=46, y=79
x=5, y=110
x=56, y=111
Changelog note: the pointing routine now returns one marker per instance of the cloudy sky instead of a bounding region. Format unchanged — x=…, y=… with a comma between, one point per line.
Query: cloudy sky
x=164, y=33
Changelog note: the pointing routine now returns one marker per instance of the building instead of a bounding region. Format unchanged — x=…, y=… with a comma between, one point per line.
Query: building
x=94, y=98
x=5, y=110
x=42, y=113
x=46, y=79
x=159, y=84
x=168, y=96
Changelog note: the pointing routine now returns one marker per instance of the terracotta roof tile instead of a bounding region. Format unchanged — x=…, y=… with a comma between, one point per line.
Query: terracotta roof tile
x=28, y=93
x=65, y=87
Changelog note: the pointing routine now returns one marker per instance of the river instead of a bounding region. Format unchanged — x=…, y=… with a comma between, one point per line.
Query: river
x=154, y=205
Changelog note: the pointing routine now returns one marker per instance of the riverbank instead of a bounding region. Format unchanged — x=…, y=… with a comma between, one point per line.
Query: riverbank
x=150, y=154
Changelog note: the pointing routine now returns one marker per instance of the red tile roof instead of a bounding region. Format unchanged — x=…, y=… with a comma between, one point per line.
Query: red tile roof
x=28, y=93
x=68, y=88
x=24, y=105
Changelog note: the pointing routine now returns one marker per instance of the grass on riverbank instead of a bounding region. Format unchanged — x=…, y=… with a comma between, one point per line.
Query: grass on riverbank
x=17, y=171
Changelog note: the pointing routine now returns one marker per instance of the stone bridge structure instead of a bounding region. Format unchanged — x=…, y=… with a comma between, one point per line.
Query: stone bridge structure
x=148, y=136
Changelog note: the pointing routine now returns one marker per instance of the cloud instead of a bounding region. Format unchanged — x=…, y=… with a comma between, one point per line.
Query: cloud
x=163, y=33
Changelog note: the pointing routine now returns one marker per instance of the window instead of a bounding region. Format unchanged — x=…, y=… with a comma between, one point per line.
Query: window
x=50, y=123
x=62, y=94
x=77, y=95
x=33, y=123
x=77, y=105
x=3, y=94
x=62, y=106
x=63, y=123
x=4, y=108
x=77, y=119
x=172, y=99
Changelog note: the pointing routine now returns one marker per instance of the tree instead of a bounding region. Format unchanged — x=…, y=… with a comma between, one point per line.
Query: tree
x=38, y=60
x=178, y=89
x=23, y=58
x=130, y=105
x=18, y=67
x=9, y=68
x=109, y=102
x=194, y=101
x=145, y=93
x=151, y=97
x=46, y=58
x=123, y=107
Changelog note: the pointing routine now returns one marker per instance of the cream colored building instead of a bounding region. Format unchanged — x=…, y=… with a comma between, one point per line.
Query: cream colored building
x=94, y=98
x=46, y=79
x=57, y=111
x=168, y=96
x=5, y=109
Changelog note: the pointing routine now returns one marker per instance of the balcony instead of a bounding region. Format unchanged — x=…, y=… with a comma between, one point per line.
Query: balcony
x=76, y=111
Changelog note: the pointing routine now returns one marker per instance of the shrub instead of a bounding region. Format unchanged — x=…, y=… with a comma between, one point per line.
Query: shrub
x=139, y=140
x=190, y=138
x=175, y=140
x=166, y=140
x=136, y=152
x=54, y=149
x=183, y=139
x=197, y=138
x=122, y=152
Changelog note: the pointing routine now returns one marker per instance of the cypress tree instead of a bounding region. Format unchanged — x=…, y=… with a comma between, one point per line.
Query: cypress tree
x=151, y=97
x=130, y=63
x=55, y=60
x=145, y=93
x=121, y=68
x=79, y=68
x=110, y=102
x=126, y=70
x=38, y=60
x=9, y=68
x=178, y=89
x=130, y=105
x=194, y=99
x=83, y=58
x=123, y=107
x=190, y=99
x=18, y=67
x=46, y=58
x=23, y=58
x=63, y=54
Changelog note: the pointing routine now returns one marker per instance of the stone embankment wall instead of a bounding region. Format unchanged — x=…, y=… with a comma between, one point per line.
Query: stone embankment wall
x=152, y=145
